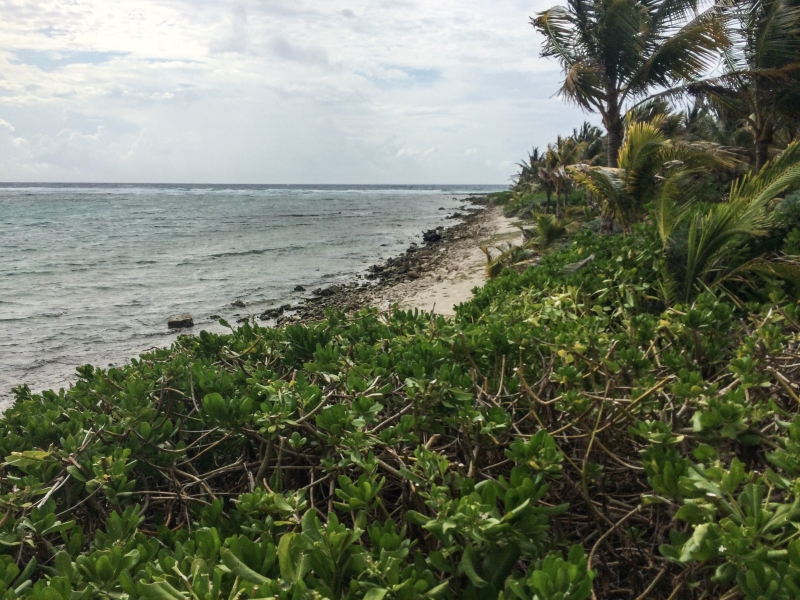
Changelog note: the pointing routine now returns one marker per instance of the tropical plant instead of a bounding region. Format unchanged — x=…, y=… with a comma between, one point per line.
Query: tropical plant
x=761, y=84
x=560, y=155
x=508, y=255
x=614, y=52
x=547, y=230
x=528, y=179
x=650, y=166
x=593, y=143
x=715, y=242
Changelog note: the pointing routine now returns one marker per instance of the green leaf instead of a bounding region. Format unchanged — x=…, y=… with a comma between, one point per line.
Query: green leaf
x=416, y=518
x=375, y=594
x=466, y=567
x=240, y=569
x=285, y=559
x=438, y=590
x=76, y=473
x=160, y=590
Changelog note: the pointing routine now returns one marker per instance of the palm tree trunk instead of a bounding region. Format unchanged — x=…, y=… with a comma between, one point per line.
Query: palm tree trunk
x=762, y=153
x=615, y=131
x=558, y=204
x=615, y=127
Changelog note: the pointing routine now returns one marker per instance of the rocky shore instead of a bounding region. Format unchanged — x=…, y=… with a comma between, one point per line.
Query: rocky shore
x=420, y=267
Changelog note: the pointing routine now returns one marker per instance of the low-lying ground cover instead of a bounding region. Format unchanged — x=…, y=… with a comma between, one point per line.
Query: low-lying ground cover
x=565, y=435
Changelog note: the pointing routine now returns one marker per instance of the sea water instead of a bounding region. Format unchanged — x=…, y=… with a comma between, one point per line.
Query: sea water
x=91, y=273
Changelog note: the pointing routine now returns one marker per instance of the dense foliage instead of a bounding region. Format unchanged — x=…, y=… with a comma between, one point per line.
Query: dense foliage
x=613, y=416
x=565, y=433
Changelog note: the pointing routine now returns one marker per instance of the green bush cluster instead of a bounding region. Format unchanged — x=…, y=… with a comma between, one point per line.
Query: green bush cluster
x=566, y=433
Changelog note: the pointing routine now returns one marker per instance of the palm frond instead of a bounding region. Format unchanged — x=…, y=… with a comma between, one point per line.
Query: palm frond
x=667, y=214
x=774, y=177
x=682, y=57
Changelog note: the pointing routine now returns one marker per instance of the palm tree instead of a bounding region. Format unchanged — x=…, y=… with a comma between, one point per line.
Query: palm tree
x=593, y=142
x=528, y=178
x=650, y=166
x=761, y=84
x=715, y=240
x=612, y=52
x=560, y=155
x=547, y=230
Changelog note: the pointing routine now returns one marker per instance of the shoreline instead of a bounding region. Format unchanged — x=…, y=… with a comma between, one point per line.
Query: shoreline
x=433, y=276
x=430, y=276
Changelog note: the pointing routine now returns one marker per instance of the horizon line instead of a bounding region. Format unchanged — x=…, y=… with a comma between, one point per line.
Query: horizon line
x=2, y=183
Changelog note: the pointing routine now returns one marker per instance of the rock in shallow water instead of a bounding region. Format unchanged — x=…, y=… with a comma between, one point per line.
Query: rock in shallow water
x=180, y=321
x=328, y=291
x=431, y=236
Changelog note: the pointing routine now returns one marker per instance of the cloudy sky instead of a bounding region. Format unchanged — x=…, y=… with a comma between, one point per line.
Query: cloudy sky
x=273, y=91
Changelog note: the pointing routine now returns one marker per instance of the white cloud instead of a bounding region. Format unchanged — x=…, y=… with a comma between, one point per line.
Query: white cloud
x=273, y=91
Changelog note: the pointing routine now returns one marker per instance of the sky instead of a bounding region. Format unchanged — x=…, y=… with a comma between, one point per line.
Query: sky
x=274, y=91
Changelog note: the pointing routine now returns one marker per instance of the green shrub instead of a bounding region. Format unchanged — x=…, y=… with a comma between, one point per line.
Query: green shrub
x=566, y=410
x=791, y=244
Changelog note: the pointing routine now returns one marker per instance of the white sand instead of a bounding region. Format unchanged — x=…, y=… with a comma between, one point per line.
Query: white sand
x=460, y=268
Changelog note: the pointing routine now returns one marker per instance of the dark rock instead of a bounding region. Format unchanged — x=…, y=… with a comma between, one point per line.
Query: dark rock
x=180, y=321
x=238, y=303
x=431, y=236
x=442, y=208
x=328, y=291
x=299, y=288
x=273, y=313
x=215, y=317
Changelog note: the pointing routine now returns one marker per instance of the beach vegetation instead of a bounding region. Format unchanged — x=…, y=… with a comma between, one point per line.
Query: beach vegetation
x=569, y=431
x=615, y=413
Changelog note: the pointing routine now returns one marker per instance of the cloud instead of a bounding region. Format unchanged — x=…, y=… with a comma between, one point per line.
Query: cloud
x=298, y=53
x=282, y=91
x=236, y=38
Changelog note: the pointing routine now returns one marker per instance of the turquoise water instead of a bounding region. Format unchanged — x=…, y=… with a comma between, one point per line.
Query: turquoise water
x=90, y=274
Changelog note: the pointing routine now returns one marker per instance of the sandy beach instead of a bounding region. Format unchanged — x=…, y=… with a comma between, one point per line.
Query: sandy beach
x=434, y=277
x=457, y=268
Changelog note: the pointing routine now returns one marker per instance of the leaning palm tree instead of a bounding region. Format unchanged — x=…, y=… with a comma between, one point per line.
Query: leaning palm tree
x=650, y=166
x=613, y=52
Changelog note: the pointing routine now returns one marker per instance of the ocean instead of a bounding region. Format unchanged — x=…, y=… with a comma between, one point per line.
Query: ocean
x=91, y=273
